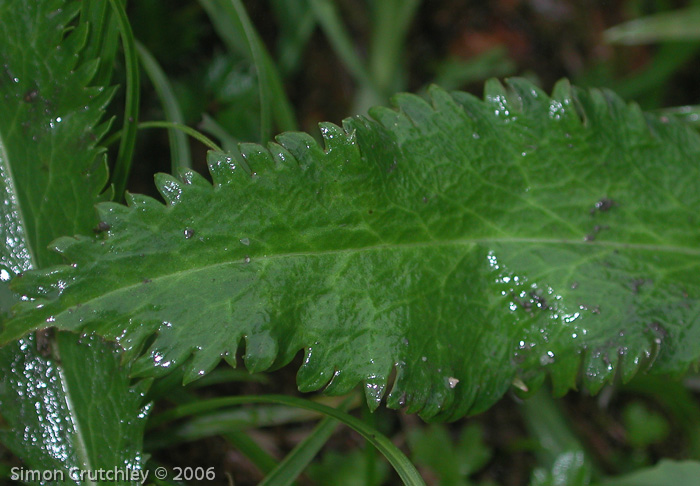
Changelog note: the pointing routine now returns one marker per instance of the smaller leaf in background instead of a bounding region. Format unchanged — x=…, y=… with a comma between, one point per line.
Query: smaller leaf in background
x=452, y=462
x=569, y=469
x=665, y=473
x=677, y=402
x=678, y=25
x=644, y=427
x=346, y=469
x=548, y=425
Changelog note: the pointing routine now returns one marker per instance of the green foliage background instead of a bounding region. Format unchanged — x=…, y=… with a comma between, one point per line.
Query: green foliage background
x=534, y=236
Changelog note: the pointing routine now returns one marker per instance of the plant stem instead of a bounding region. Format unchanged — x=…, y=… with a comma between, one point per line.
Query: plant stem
x=403, y=466
x=170, y=125
x=179, y=148
x=131, y=111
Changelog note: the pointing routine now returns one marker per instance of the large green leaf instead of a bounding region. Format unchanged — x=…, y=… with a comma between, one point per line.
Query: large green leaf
x=462, y=244
x=63, y=404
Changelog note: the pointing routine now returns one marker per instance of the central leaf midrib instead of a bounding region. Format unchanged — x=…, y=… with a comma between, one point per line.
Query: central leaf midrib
x=401, y=246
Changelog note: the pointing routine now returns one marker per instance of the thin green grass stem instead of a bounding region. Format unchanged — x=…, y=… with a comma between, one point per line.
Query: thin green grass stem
x=179, y=147
x=125, y=155
x=403, y=466
x=169, y=125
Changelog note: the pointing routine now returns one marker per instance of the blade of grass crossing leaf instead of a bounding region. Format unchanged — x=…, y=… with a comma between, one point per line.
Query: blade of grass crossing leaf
x=170, y=126
x=179, y=148
x=301, y=456
x=131, y=112
x=403, y=466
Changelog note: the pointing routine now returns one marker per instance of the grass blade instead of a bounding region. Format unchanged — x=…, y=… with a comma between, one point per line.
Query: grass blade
x=179, y=148
x=329, y=19
x=296, y=461
x=170, y=126
x=392, y=18
x=254, y=44
x=233, y=25
x=403, y=466
x=131, y=112
x=249, y=448
x=678, y=25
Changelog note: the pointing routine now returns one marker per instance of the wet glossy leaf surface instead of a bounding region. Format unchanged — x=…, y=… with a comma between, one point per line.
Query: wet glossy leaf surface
x=463, y=243
x=79, y=413
x=62, y=404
